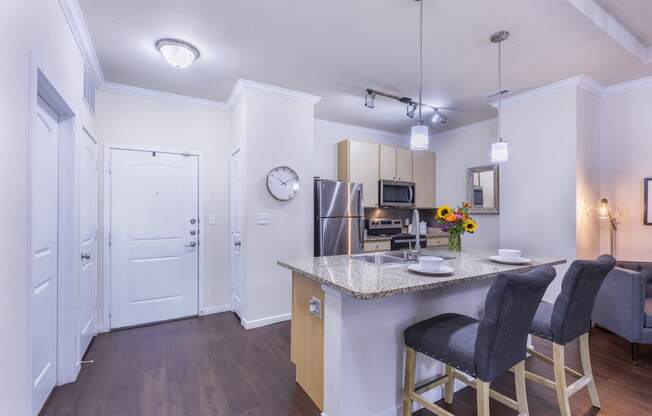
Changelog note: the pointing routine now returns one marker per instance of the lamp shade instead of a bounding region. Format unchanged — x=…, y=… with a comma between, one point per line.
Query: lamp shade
x=499, y=152
x=419, y=138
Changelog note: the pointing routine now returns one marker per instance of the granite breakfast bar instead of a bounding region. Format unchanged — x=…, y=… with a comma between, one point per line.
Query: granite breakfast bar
x=348, y=317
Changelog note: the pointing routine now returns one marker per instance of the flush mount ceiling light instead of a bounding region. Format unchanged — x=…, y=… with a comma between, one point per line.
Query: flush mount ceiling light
x=499, y=152
x=177, y=53
x=419, y=135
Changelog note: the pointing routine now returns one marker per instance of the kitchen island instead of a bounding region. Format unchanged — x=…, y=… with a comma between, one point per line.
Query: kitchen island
x=348, y=317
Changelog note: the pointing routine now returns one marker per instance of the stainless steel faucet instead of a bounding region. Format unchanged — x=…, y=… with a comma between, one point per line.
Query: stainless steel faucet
x=417, y=234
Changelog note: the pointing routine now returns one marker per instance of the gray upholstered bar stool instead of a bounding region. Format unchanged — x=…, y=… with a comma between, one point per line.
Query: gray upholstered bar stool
x=482, y=349
x=568, y=319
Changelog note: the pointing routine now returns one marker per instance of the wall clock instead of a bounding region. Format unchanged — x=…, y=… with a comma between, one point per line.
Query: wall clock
x=283, y=183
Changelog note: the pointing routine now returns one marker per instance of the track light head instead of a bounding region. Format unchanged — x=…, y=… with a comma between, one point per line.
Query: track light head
x=370, y=99
x=439, y=118
x=411, y=108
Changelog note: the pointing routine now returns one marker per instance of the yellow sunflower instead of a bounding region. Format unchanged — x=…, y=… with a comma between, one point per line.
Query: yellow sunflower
x=443, y=211
x=470, y=226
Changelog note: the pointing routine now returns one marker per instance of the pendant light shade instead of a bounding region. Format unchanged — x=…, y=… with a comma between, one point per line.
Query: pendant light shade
x=499, y=152
x=419, y=138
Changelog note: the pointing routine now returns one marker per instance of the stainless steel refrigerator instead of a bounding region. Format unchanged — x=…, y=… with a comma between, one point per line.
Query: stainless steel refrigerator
x=339, y=218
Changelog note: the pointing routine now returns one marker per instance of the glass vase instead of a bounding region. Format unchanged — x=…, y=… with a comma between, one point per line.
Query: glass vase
x=455, y=242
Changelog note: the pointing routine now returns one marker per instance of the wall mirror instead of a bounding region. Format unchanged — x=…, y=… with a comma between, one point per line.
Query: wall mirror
x=482, y=189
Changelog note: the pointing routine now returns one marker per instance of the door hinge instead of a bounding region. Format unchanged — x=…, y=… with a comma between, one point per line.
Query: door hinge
x=109, y=239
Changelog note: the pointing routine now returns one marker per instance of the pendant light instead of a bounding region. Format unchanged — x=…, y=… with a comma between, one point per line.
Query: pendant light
x=419, y=135
x=499, y=152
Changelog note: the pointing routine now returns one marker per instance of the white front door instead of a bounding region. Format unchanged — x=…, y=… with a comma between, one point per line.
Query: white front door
x=236, y=235
x=44, y=173
x=154, y=236
x=88, y=184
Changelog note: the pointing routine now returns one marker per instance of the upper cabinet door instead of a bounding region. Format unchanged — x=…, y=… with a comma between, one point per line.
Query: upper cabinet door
x=403, y=164
x=424, y=177
x=388, y=162
x=363, y=162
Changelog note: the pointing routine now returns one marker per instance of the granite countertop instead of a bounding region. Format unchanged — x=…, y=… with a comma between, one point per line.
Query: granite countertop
x=363, y=280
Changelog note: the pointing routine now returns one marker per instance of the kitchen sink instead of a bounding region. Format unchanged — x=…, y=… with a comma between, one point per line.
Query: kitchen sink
x=378, y=258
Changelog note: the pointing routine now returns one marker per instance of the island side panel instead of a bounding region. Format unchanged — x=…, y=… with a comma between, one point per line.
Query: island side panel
x=307, y=338
x=370, y=349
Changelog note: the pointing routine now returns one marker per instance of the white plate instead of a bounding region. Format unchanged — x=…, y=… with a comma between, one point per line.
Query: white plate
x=417, y=268
x=499, y=259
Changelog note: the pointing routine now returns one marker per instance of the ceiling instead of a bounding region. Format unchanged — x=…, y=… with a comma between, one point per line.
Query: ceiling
x=338, y=48
x=635, y=15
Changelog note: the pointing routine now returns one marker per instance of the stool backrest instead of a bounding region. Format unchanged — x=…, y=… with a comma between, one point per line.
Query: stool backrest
x=571, y=315
x=509, y=309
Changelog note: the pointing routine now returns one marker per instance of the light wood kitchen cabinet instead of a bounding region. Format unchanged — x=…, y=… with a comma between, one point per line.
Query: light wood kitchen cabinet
x=360, y=162
x=388, y=162
x=395, y=163
x=424, y=178
x=404, y=159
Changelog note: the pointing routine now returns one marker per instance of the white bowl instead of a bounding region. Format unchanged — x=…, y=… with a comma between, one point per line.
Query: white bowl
x=509, y=254
x=431, y=263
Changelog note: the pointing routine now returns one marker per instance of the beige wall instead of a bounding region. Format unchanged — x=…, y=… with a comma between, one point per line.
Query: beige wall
x=137, y=121
x=626, y=158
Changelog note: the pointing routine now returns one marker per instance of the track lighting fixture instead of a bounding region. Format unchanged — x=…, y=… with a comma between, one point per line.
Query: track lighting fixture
x=439, y=118
x=411, y=108
x=370, y=99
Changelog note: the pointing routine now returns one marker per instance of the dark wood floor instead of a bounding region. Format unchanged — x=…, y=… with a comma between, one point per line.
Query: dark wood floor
x=211, y=366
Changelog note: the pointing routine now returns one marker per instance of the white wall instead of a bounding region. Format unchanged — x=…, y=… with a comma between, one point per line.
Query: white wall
x=40, y=27
x=278, y=130
x=456, y=151
x=538, y=184
x=140, y=121
x=626, y=158
x=328, y=133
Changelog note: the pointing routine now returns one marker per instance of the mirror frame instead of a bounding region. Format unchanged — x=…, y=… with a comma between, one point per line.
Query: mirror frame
x=469, y=188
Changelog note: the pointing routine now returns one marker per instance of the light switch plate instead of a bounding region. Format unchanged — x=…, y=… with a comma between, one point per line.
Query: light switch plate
x=211, y=219
x=263, y=218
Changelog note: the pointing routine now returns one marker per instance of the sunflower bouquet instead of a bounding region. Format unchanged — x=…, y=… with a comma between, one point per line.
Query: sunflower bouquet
x=456, y=222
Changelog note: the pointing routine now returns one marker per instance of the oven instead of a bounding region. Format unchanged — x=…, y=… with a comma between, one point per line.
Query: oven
x=396, y=194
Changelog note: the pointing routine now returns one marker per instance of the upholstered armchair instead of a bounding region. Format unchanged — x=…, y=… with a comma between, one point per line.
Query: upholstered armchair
x=624, y=303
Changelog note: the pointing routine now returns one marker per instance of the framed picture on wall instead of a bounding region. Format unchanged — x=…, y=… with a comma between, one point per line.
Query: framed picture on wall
x=647, y=207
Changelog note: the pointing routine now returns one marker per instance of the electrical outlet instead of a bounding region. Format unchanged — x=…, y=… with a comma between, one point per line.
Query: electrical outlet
x=263, y=218
x=211, y=219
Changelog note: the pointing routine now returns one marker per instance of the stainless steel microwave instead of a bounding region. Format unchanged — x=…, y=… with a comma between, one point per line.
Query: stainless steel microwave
x=396, y=194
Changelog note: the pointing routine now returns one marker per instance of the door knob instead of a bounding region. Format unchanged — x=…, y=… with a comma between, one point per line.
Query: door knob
x=191, y=244
x=237, y=243
x=86, y=256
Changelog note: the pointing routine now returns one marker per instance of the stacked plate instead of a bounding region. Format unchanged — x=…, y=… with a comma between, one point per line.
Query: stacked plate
x=430, y=266
x=510, y=256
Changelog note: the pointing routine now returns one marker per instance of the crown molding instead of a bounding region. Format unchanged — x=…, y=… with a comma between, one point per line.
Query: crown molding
x=612, y=27
x=579, y=81
x=116, y=88
x=244, y=85
x=77, y=24
x=628, y=86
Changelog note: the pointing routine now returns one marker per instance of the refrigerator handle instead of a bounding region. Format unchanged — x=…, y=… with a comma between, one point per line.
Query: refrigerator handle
x=361, y=232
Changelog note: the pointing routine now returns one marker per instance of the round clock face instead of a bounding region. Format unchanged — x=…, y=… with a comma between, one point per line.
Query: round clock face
x=283, y=183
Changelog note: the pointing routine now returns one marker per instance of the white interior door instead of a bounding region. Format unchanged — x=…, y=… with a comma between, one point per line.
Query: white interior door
x=154, y=236
x=236, y=235
x=88, y=188
x=44, y=172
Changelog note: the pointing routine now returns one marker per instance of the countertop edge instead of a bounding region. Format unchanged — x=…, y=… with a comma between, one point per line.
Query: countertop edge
x=415, y=289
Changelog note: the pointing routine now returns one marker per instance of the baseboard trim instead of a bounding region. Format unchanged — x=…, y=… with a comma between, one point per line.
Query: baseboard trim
x=209, y=310
x=257, y=323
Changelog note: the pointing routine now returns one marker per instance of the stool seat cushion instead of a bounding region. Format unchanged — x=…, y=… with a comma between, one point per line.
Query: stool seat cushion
x=449, y=338
x=541, y=324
